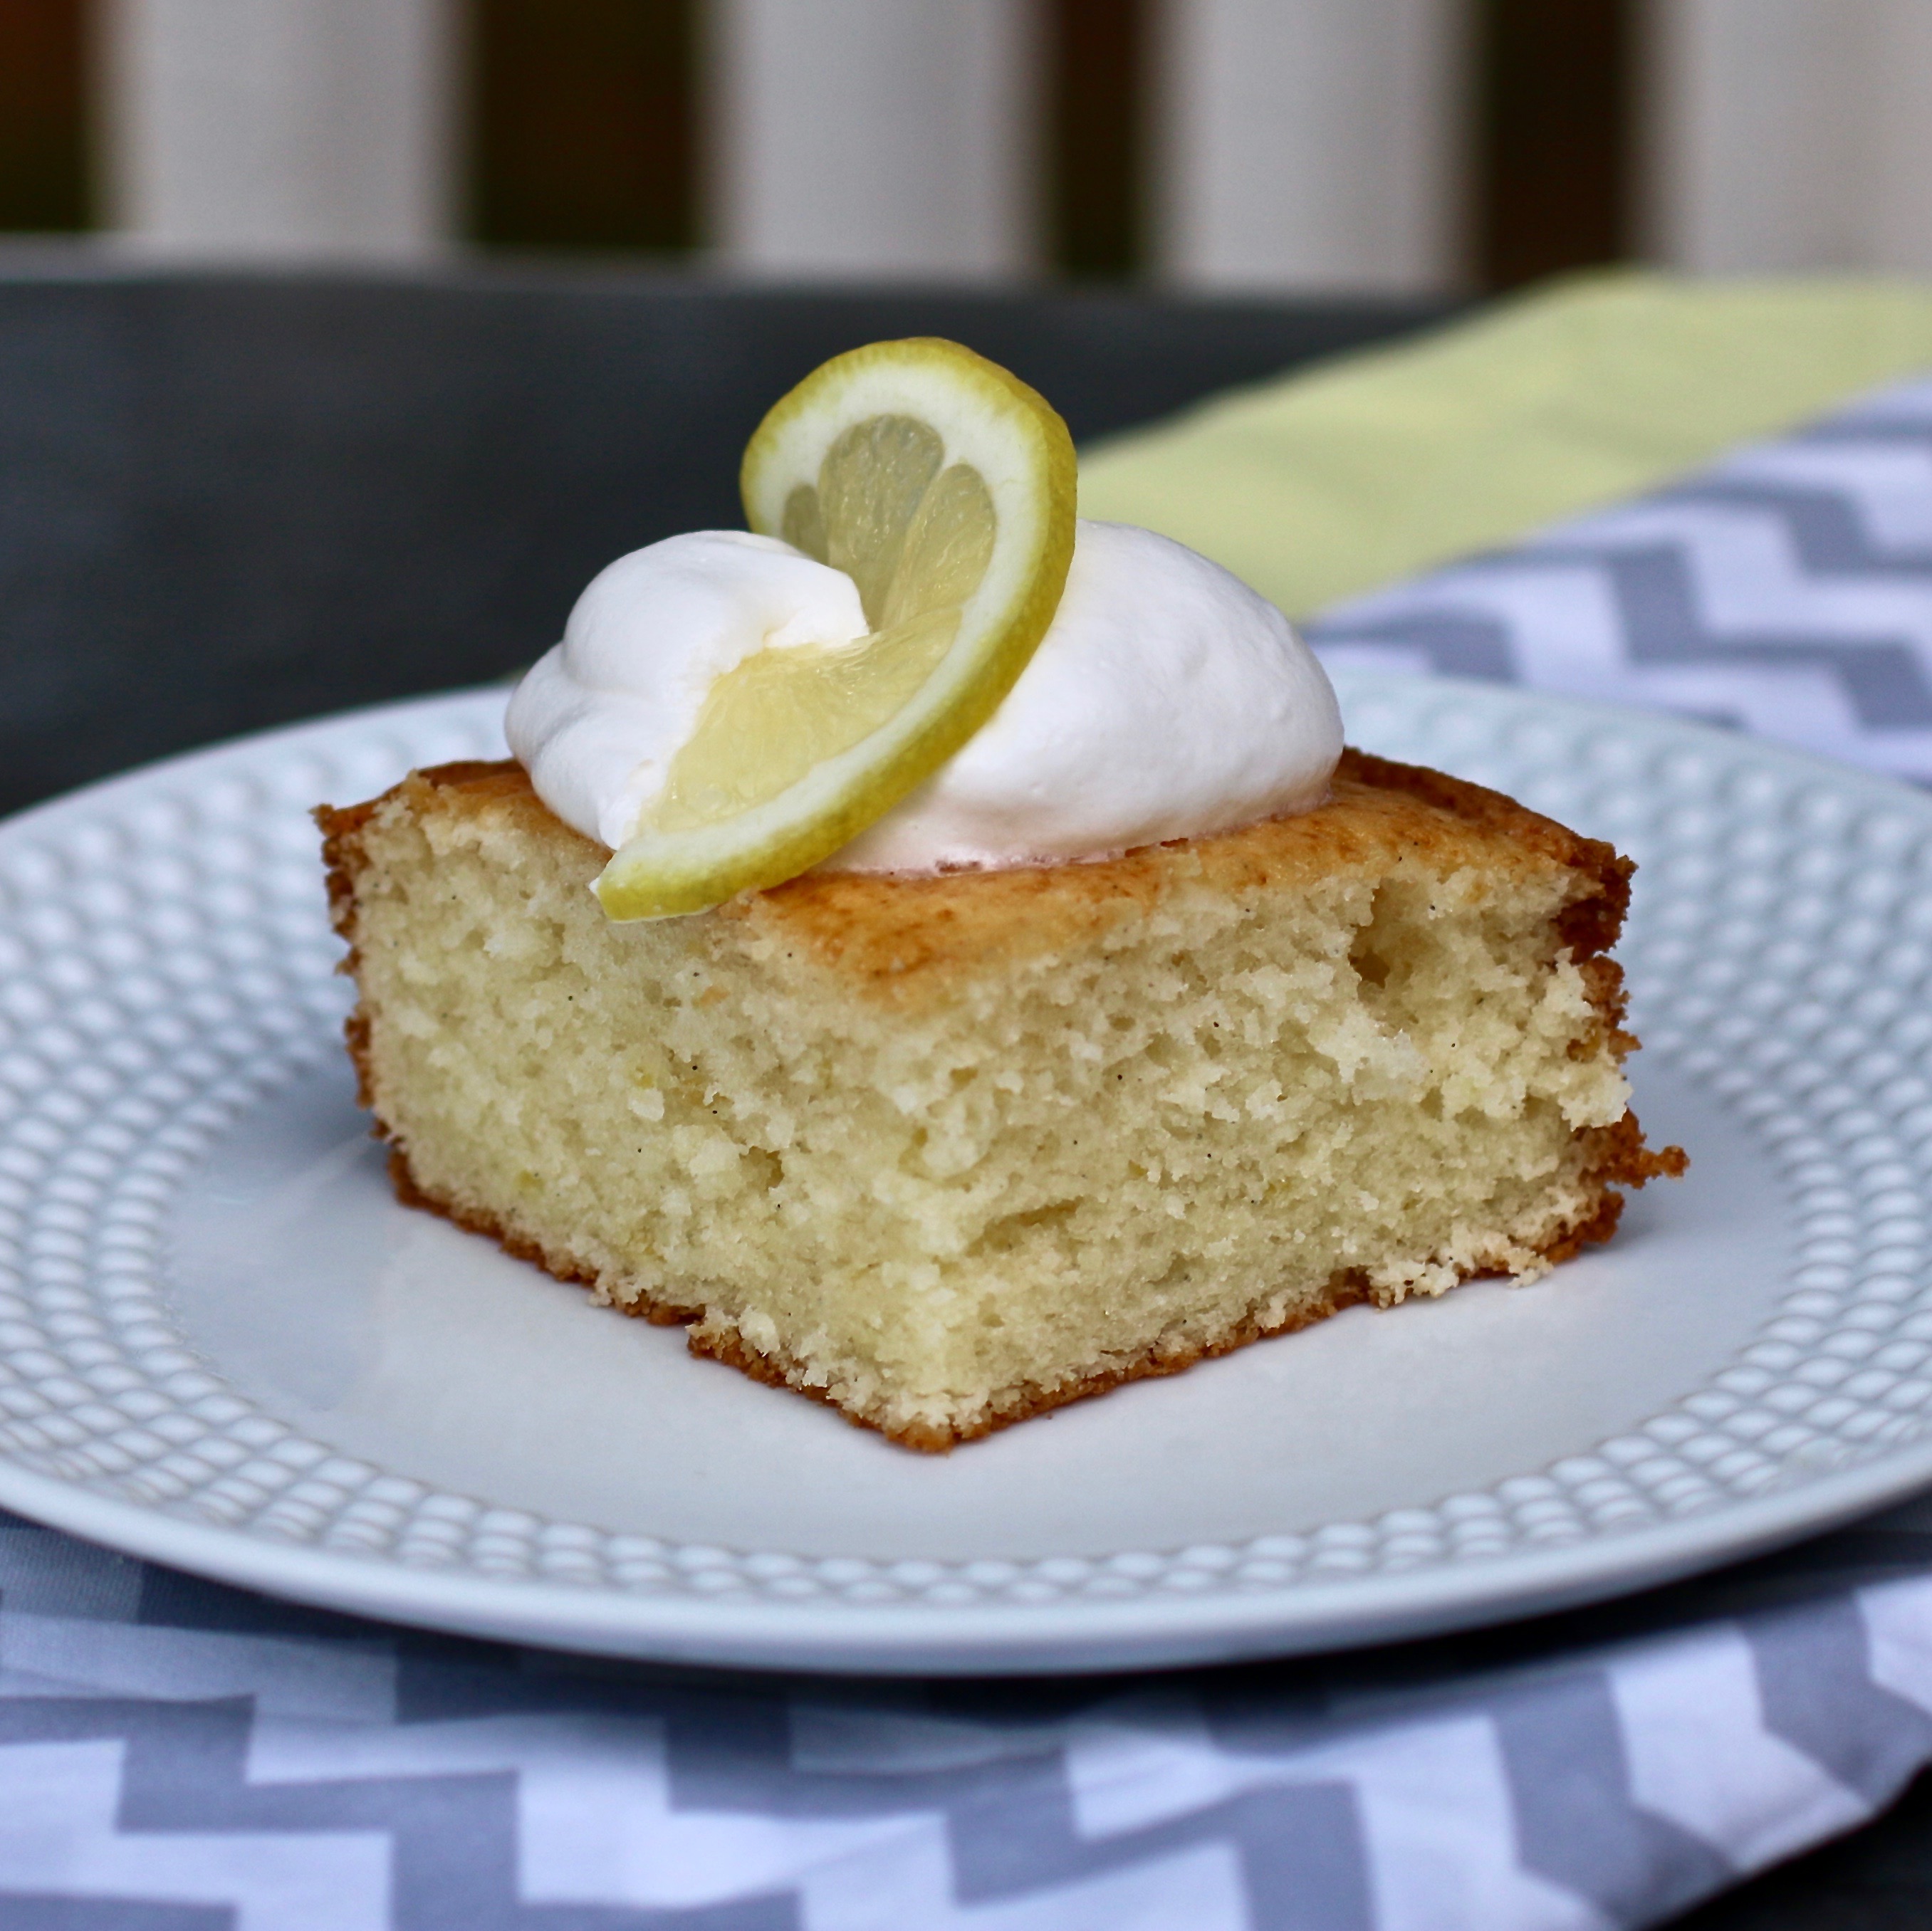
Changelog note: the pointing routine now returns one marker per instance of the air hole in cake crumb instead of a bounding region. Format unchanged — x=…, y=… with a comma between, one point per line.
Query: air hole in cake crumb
x=1010, y=1230
x=1366, y=955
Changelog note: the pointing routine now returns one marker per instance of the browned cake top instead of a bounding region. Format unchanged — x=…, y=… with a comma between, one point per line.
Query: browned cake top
x=876, y=926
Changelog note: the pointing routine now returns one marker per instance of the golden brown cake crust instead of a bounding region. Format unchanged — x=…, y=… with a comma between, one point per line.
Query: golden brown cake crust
x=902, y=939
x=1622, y=1159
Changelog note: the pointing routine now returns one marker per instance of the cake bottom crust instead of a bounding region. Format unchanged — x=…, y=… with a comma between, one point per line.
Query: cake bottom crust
x=1619, y=1158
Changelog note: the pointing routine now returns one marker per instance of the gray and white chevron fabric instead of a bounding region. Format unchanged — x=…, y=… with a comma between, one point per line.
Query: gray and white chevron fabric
x=1786, y=589
x=176, y=1757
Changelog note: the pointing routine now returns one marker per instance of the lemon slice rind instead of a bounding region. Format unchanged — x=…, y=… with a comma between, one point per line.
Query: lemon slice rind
x=988, y=419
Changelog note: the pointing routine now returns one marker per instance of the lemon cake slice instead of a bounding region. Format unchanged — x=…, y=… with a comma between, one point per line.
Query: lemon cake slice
x=947, y=1151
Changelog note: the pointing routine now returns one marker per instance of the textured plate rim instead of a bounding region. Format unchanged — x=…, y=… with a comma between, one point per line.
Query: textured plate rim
x=1309, y=1615
x=983, y=1640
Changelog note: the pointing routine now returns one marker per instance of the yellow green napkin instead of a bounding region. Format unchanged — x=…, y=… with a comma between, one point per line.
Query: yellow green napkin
x=1320, y=484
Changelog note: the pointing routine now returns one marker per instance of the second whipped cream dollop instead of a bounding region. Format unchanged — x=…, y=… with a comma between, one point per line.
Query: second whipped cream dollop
x=1166, y=700
x=598, y=718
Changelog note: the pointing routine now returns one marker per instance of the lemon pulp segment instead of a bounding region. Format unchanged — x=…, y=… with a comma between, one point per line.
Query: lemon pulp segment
x=916, y=540
x=943, y=487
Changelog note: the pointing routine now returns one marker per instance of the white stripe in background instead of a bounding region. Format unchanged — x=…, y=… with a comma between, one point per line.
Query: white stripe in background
x=1698, y=1753
x=1887, y=487
x=1144, y=1758
x=1909, y=402
x=1553, y=610
x=1566, y=627
x=59, y=1835
x=869, y=1739
x=1440, y=1831
x=1746, y=577
x=908, y=1885
x=1200, y=1886
x=1564, y=634
x=1507, y=591
x=597, y=1824
x=1898, y=1627
x=1433, y=1799
x=1799, y=706
x=597, y=1827
x=339, y=1682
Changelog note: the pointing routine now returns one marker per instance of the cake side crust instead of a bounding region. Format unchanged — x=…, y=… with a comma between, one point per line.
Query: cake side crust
x=1621, y=1159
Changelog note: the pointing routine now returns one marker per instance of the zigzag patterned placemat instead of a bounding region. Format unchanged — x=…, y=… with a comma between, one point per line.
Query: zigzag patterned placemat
x=179, y=1756
x=1787, y=590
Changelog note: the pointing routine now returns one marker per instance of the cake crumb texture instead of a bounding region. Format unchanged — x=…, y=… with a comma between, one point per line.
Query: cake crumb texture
x=947, y=1152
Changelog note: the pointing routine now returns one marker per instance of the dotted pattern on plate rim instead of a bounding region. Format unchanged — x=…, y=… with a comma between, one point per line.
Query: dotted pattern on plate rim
x=164, y=965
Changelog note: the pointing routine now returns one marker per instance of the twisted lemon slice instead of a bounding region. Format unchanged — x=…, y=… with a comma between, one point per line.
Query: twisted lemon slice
x=944, y=487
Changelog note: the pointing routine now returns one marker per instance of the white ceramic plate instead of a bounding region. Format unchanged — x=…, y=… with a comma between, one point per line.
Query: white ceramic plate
x=223, y=1346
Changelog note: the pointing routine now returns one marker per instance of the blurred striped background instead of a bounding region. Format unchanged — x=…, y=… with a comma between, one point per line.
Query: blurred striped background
x=1395, y=146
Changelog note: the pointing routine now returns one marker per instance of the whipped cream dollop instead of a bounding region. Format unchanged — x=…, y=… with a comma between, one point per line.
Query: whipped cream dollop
x=1166, y=700
x=598, y=719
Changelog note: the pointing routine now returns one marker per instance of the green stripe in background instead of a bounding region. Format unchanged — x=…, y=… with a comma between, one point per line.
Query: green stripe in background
x=1333, y=481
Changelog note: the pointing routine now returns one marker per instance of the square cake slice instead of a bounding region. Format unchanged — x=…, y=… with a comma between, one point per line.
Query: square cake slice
x=948, y=1151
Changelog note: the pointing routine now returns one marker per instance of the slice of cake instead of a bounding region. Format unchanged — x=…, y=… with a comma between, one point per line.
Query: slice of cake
x=947, y=1151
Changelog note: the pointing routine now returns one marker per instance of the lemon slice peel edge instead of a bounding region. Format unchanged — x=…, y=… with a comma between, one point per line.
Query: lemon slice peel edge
x=988, y=422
